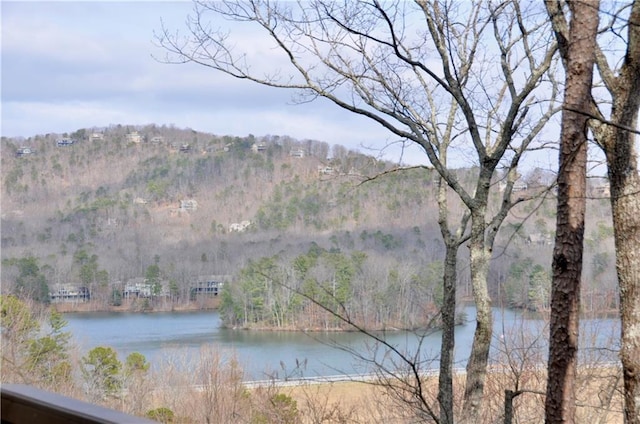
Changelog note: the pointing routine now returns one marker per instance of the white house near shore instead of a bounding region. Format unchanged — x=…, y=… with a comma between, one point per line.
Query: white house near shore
x=239, y=227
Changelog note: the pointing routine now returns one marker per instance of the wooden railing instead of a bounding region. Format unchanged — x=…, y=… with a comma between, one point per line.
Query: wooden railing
x=23, y=404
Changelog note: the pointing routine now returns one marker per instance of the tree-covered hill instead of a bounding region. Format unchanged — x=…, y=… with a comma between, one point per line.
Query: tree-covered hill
x=122, y=200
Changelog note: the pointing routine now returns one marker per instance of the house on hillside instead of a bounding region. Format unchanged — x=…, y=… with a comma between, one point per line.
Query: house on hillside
x=258, y=147
x=239, y=227
x=96, y=136
x=208, y=285
x=188, y=205
x=520, y=186
x=141, y=288
x=134, y=137
x=325, y=170
x=296, y=153
x=158, y=139
x=24, y=151
x=517, y=186
x=64, y=142
x=69, y=293
x=136, y=287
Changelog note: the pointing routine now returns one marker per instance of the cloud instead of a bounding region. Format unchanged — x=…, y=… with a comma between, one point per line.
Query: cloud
x=47, y=56
x=71, y=65
x=39, y=30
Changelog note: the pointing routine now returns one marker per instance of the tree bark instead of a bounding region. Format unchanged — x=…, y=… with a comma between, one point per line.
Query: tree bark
x=452, y=243
x=479, y=356
x=567, y=255
x=622, y=166
x=625, y=205
x=509, y=396
x=448, y=313
x=624, y=180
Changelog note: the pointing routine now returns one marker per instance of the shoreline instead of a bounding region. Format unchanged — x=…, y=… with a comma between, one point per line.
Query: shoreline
x=213, y=304
x=136, y=306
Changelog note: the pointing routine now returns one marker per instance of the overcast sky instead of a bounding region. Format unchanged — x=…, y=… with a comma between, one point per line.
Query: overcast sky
x=71, y=65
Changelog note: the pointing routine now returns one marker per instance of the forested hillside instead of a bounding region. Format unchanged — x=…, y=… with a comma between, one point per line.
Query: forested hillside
x=169, y=206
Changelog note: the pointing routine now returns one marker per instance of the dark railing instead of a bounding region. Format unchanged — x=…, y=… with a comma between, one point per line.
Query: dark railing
x=23, y=404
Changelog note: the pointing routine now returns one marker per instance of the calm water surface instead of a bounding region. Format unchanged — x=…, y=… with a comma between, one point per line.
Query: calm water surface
x=159, y=336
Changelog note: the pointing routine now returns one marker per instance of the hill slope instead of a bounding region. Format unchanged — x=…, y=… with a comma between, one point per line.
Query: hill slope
x=122, y=199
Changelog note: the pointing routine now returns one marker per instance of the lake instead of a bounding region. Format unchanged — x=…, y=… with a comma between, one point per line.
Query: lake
x=161, y=335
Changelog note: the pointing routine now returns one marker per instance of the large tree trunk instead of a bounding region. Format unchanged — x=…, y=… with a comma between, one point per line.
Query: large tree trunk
x=448, y=313
x=622, y=163
x=452, y=242
x=448, y=310
x=479, y=356
x=567, y=255
x=625, y=203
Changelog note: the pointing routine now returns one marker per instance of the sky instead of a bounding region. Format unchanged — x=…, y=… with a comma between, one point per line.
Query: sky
x=85, y=64
x=68, y=65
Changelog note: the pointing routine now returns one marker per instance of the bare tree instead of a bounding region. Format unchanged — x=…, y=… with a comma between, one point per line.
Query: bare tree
x=398, y=63
x=614, y=118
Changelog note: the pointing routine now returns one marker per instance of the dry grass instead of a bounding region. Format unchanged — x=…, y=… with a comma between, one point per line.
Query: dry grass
x=213, y=392
x=599, y=398
x=226, y=400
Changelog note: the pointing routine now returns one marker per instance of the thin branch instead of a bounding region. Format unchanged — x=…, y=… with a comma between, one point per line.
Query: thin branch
x=602, y=120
